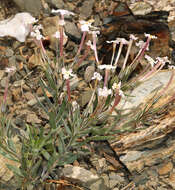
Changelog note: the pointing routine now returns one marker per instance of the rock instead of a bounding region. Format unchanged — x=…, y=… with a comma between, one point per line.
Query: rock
x=165, y=168
x=9, y=52
x=17, y=27
x=29, y=96
x=101, y=183
x=131, y=156
x=89, y=72
x=86, y=9
x=78, y=173
x=139, y=94
x=58, y=4
x=32, y=118
x=1, y=74
x=171, y=180
x=50, y=27
x=5, y=173
x=71, y=29
x=85, y=97
x=115, y=179
x=16, y=94
x=141, y=8
x=31, y=6
x=4, y=82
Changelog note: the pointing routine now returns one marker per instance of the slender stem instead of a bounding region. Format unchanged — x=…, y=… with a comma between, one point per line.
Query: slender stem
x=61, y=29
x=113, y=53
x=106, y=77
x=154, y=70
x=95, y=47
x=68, y=90
x=118, y=55
x=84, y=56
x=127, y=54
x=116, y=101
x=61, y=41
x=81, y=43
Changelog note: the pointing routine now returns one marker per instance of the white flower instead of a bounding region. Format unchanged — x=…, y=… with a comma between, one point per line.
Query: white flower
x=104, y=91
x=75, y=105
x=141, y=44
x=171, y=67
x=150, y=36
x=57, y=34
x=121, y=93
x=85, y=25
x=106, y=67
x=89, y=43
x=116, y=86
x=61, y=22
x=67, y=73
x=97, y=76
x=94, y=32
x=10, y=69
x=133, y=37
x=36, y=34
x=37, y=27
x=163, y=60
x=62, y=12
x=122, y=40
x=150, y=60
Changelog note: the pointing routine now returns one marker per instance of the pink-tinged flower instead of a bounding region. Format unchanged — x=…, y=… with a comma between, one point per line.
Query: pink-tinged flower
x=150, y=36
x=85, y=25
x=133, y=37
x=57, y=34
x=141, y=44
x=108, y=67
x=62, y=12
x=163, y=60
x=97, y=76
x=10, y=69
x=123, y=41
x=113, y=41
x=37, y=35
x=36, y=32
x=104, y=92
x=67, y=73
x=61, y=22
x=150, y=60
x=171, y=67
x=89, y=43
x=116, y=86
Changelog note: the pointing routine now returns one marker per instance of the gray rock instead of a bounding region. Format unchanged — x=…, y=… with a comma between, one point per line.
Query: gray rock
x=85, y=97
x=58, y=4
x=138, y=95
x=86, y=9
x=31, y=6
x=141, y=8
x=116, y=177
x=71, y=29
x=9, y=52
x=78, y=173
x=89, y=73
x=131, y=156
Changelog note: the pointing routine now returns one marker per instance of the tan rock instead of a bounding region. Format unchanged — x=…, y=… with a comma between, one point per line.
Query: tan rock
x=165, y=169
x=172, y=180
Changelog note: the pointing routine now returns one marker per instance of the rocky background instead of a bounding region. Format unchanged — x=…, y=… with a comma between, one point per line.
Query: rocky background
x=139, y=160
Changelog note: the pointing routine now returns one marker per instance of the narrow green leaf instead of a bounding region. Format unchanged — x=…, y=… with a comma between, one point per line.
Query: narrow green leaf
x=15, y=170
